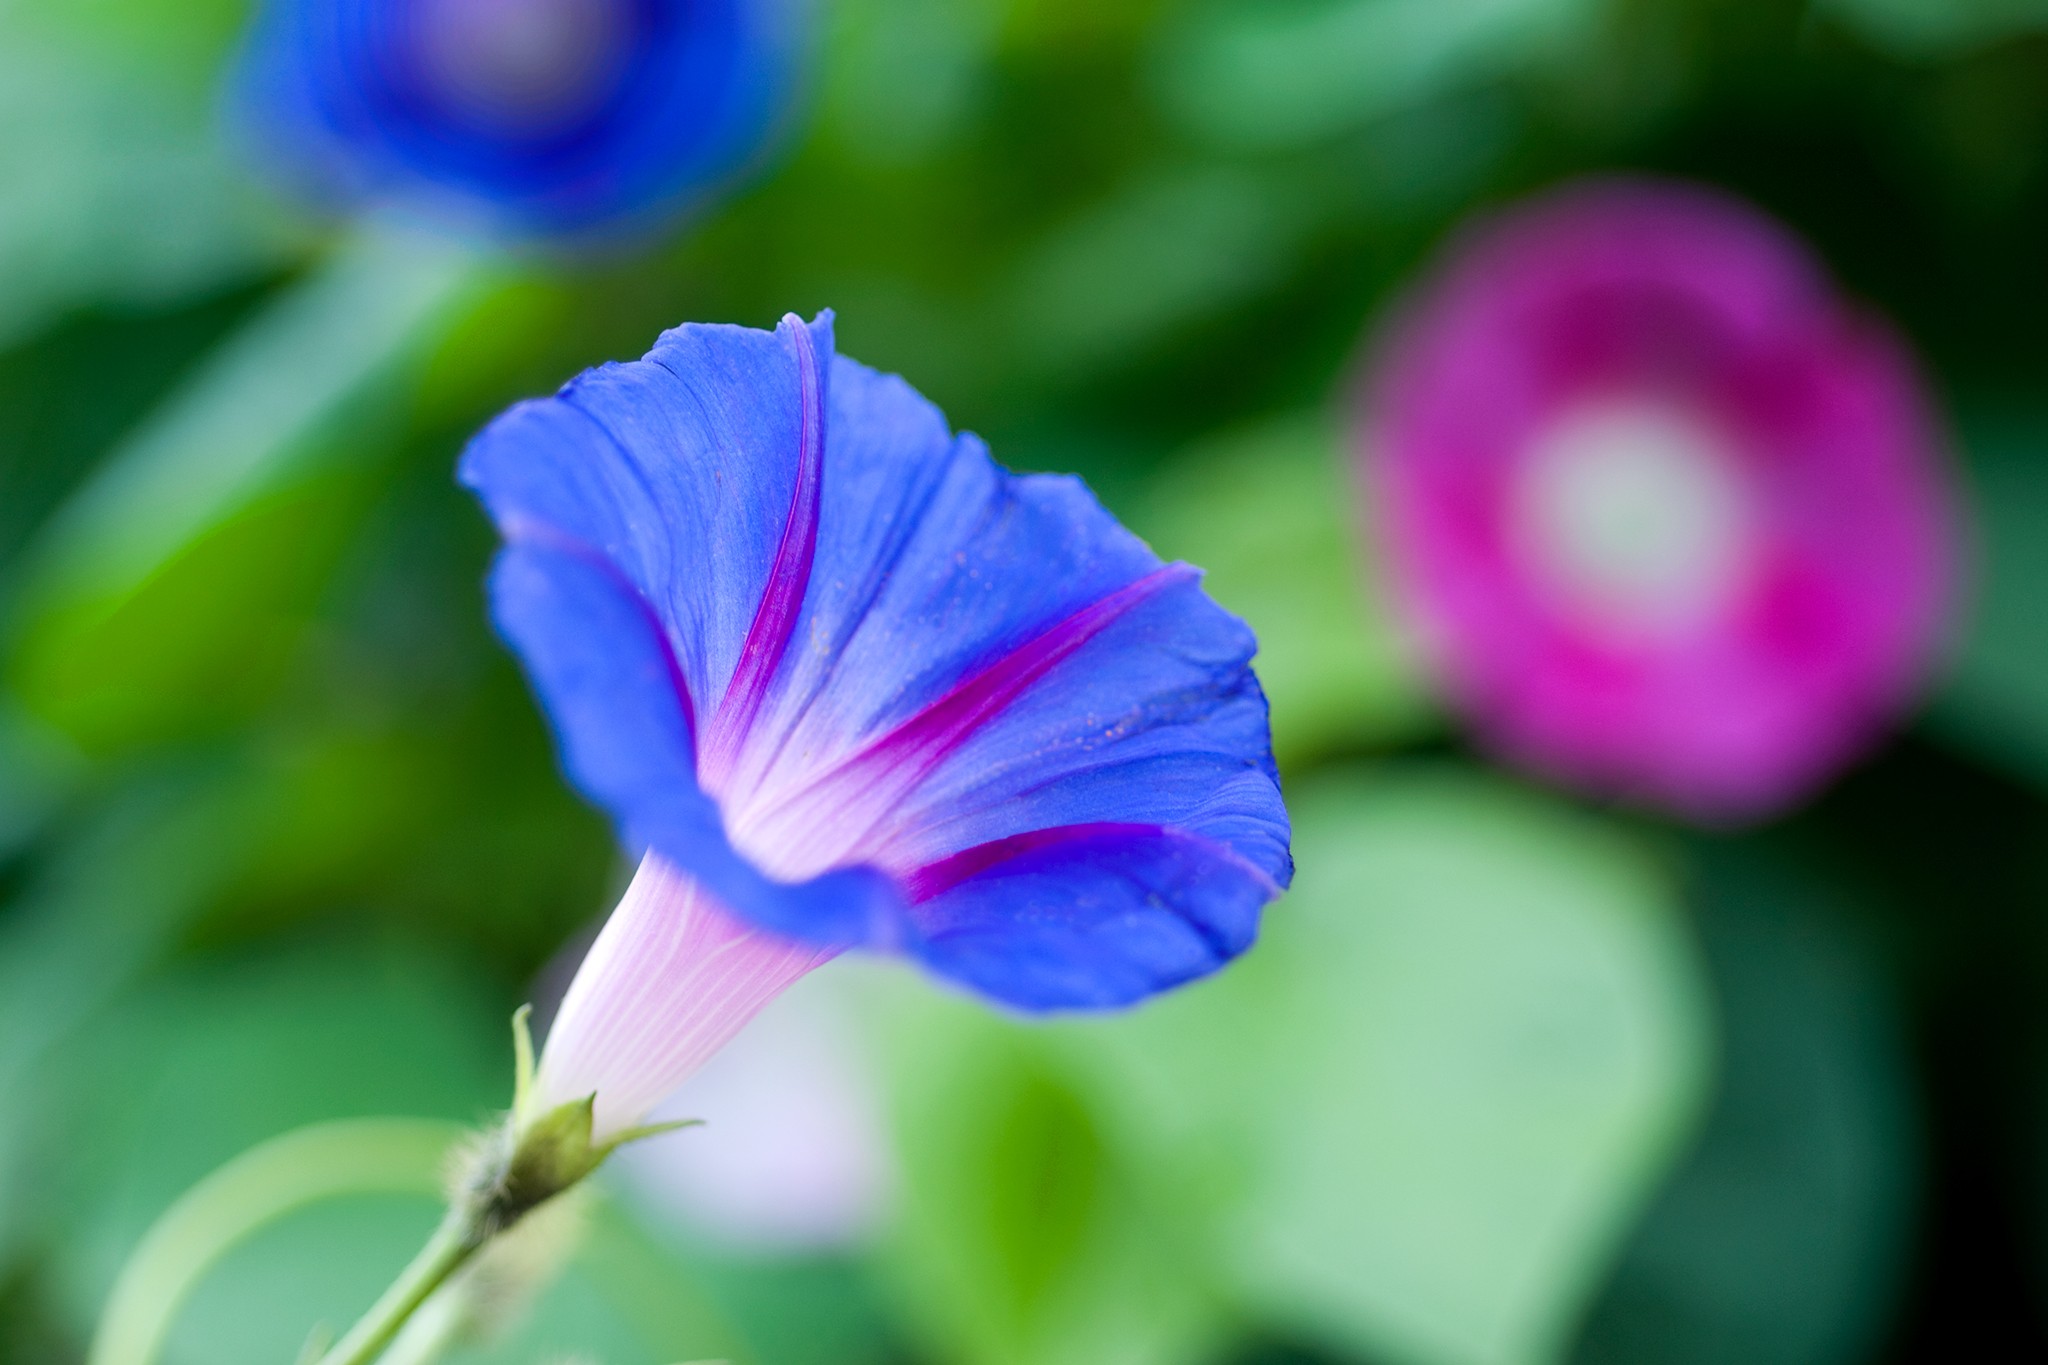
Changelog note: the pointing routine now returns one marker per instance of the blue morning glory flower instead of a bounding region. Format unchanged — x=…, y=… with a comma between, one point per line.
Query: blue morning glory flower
x=847, y=683
x=524, y=117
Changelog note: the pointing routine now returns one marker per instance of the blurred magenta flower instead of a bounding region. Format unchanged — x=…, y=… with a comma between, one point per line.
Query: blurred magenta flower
x=521, y=117
x=1670, y=517
x=850, y=684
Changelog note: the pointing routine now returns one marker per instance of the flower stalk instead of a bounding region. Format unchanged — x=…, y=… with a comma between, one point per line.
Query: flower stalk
x=507, y=1173
x=453, y=1243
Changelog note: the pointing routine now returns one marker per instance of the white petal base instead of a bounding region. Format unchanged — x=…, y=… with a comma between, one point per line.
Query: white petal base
x=672, y=977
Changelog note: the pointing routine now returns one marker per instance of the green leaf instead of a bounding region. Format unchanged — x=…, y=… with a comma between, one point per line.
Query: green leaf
x=105, y=905
x=623, y=1298
x=1933, y=29
x=37, y=768
x=118, y=187
x=1024, y=1235
x=1270, y=514
x=267, y=402
x=1783, y=1237
x=1242, y=73
x=317, y=1267
x=169, y=594
x=810, y=1311
x=1176, y=246
x=1995, y=702
x=261, y=1186
x=183, y=44
x=1415, y=1122
x=199, y=646
x=1424, y=1110
x=76, y=389
x=301, y=1216
x=906, y=77
x=222, y=1055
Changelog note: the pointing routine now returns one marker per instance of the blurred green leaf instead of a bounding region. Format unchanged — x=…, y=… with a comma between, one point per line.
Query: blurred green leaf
x=618, y=1295
x=169, y=592
x=1783, y=1236
x=626, y=1298
x=1256, y=75
x=1995, y=703
x=1416, y=1121
x=320, y=1265
x=342, y=807
x=809, y=1311
x=1269, y=513
x=906, y=77
x=118, y=188
x=224, y=1054
x=201, y=644
x=1173, y=247
x=1928, y=29
x=1427, y=1106
x=181, y=44
x=69, y=395
x=491, y=338
x=1081, y=26
x=1023, y=1235
x=281, y=392
x=103, y=907
x=236, y=1201
x=37, y=768
x=313, y=1225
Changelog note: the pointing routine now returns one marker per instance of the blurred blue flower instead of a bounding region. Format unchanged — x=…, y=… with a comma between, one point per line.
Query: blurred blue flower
x=517, y=117
x=851, y=684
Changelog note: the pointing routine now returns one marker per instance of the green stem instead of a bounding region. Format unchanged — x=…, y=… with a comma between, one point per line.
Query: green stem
x=434, y=1330
x=453, y=1243
x=499, y=1178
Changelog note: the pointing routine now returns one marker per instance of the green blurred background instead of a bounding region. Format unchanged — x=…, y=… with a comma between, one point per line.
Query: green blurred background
x=1511, y=1079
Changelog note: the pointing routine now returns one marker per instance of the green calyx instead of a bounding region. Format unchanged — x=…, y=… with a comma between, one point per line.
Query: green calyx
x=533, y=1156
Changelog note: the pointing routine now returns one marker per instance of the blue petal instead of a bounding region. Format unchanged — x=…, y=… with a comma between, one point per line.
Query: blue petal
x=1087, y=916
x=968, y=660
x=598, y=655
x=678, y=470
x=342, y=98
x=1160, y=719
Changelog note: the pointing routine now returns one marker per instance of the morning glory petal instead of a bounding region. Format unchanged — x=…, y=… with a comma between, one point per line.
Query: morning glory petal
x=1086, y=916
x=825, y=656
x=674, y=470
x=594, y=649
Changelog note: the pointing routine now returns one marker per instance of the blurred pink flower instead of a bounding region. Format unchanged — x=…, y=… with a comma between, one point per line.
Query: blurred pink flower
x=1669, y=517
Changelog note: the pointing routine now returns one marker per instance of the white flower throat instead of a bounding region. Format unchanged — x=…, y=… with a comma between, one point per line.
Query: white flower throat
x=1635, y=518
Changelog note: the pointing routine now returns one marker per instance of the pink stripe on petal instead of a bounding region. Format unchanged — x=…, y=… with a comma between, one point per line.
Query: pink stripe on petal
x=832, y=818
x=917, y=745
x=936, y=879
x=789, y=577
x=672, y=977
